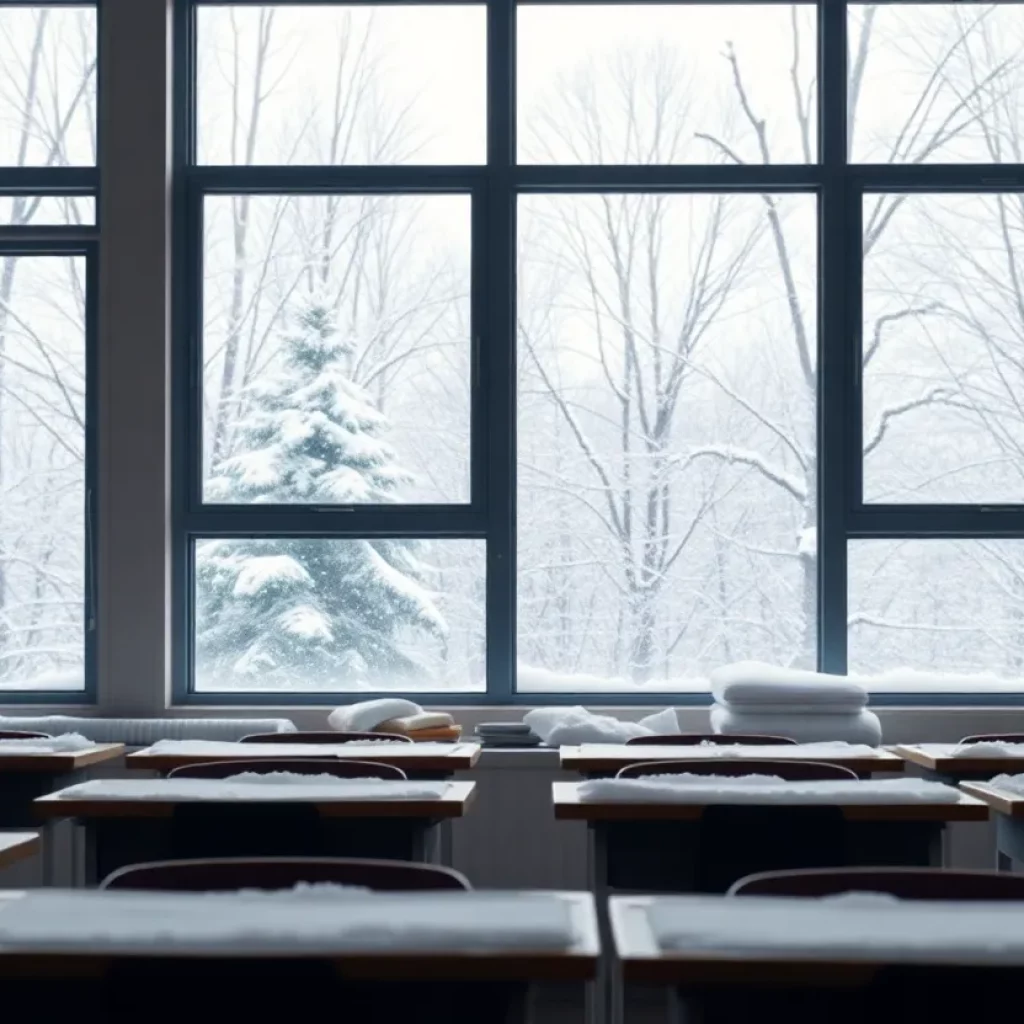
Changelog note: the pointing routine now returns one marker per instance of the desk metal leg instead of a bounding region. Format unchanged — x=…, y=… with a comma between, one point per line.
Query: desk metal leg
x=1009, y=841
x=50, y=857
x=600, y=993
x=445, y=843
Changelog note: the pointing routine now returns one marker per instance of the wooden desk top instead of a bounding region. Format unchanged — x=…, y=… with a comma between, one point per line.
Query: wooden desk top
x=605, y=757
x=644, y=961
x=16, y=846
x=458, y=757
x=936, y=758
x=569, y=807
x=58, y=764
x=458, y=796
x=577, y=964
x=1004, y=801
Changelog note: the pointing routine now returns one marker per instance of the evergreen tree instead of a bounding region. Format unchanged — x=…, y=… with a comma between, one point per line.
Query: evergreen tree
x=296, y=609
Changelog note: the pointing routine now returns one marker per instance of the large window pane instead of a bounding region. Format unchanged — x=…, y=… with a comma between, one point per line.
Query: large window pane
x=47, y=86
x=943, y=374
x=342, y=85
x=62, y=211
x=936, y=83
x=667, y=449
x=310, y=614
x=653, y=84
x=947, y=608
x=336, y=349
x=42, y=472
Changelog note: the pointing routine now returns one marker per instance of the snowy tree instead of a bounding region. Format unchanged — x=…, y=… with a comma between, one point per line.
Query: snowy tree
x=328, y=611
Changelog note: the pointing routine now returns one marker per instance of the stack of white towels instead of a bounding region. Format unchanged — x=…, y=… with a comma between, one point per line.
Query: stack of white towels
x=752, y=697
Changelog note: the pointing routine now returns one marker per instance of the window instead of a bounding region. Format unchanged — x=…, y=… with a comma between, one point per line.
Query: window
x=48, y=181
x=537, y=348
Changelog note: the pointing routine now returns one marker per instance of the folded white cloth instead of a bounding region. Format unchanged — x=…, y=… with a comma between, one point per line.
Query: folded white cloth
x=571, y=726
x=368, y=714
x=754, y=683
x=854, y=727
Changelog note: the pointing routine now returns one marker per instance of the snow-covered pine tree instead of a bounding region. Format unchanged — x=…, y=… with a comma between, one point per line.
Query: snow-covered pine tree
x=280, y=611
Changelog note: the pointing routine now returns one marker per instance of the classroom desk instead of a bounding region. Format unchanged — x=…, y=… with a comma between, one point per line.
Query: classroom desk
x=18, y=846
x=449, y=984
x=1009, y=814
x=600, y=759
x=819, y=979
x=937, y=762
x=26, y=777
x=119, y=832
x=417, y=760
x=649, y=847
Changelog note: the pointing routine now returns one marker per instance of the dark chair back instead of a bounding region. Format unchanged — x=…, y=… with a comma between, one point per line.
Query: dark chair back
x=283, y=873
x=906, y=883
x=791, y=771
x=695, y=739
x=20, y=734
x=338, y=767
x=325, y=736
x=995, y=737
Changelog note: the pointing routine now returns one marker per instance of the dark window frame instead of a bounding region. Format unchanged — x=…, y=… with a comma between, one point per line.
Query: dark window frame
x=838, y=186
x=68, y=240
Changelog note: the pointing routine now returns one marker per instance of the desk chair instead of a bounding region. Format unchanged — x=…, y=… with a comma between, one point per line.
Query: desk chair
x=324, y=736
x=892, y=992
x=283, y=873
x=905, y=883
x=791, y=771
x=301, y=766
x=262, y=989
x=730, y=841
x=20, y=734
x=695, y=739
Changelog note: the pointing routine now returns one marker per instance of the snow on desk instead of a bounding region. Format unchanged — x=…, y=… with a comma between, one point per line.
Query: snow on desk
x=747, y=939
x=1005, y=796
x=962, y=760
x=333, y=797
x=684, y=797
x=464, y=934
x=55, y=756
x=438, y=758
x=609, y=757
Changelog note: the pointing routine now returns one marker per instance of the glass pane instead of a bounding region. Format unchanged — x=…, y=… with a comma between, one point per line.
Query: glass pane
x=342, y=85
x=928, y=613
x=69, y=211
x=655, y=84
x=42, y=472
x=47, y=86
x=943, y=376
x=936, y=83
x=336, y=349
x=315, y=615
x=666, y=493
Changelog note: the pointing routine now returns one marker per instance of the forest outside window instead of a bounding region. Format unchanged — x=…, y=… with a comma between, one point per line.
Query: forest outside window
x=546, y=349
x=48, y=183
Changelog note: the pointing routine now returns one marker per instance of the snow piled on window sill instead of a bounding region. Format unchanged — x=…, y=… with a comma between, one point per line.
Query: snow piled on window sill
x=902, y=680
